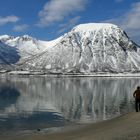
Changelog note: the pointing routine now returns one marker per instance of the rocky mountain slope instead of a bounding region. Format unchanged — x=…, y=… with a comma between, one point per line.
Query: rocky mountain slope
x=86, y=49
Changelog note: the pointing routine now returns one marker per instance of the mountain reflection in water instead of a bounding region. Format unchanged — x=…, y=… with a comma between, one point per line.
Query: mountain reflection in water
x=32, y=102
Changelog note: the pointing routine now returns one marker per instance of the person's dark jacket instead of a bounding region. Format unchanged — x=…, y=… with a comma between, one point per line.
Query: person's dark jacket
x=137, y=94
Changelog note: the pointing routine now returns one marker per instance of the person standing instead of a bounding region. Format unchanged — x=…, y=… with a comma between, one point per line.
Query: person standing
x=136, y=95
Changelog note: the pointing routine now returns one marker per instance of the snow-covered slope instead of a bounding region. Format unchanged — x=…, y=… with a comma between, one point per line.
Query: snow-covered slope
x=8, y=55
x=26, y=45
x=87, y=48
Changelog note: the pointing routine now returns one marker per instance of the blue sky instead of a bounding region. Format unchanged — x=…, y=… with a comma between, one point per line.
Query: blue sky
x=48, y=19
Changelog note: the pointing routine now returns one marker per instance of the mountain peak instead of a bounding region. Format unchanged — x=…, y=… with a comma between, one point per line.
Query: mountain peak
x=25, y=38
x=94, y=26
x=5, y=37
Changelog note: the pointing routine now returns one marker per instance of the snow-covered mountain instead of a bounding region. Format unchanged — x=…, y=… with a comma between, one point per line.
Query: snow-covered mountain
x=86, y=49
x=26, y=45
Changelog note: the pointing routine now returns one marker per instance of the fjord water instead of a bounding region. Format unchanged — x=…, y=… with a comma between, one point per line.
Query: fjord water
x=29, y=103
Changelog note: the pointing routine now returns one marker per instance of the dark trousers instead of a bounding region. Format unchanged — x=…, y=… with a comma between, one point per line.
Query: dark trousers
x=137, y=105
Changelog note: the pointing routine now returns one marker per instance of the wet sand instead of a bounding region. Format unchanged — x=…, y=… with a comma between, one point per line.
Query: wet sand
x=126, y=127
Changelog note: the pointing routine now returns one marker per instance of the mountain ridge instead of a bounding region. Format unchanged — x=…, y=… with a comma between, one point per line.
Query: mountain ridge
x=87, y=49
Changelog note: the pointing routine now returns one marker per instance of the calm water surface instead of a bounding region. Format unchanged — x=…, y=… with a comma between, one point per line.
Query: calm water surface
x=28, y=103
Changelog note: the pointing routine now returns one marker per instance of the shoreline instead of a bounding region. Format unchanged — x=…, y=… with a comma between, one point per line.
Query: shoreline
x=59, y=75
x=125, y=127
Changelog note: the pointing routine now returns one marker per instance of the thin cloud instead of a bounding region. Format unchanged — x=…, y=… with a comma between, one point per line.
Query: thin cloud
x=130, y=21
x=69, y=24
x=20, y=28
x=57, y=10
x=8, y=19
